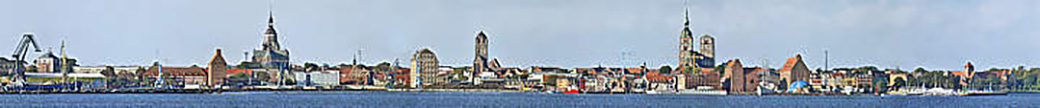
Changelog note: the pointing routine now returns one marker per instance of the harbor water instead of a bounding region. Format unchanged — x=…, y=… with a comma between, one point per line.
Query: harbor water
x=497, y=99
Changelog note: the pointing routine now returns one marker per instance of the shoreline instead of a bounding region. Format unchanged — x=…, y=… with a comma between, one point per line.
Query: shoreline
x=222, y=91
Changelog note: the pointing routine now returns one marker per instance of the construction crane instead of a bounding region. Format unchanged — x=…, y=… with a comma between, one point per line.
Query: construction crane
x=19, y=55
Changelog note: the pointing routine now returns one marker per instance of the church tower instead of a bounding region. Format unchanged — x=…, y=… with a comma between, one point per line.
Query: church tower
x=480, y=60
x=707, y=51
x=270, y=36
x=686, y=42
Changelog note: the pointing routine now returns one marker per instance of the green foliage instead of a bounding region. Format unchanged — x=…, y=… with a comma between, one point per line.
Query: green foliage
x=31, y=68
x=310, y=66
x=109, y=71
x=665, y=69
x=248, y=65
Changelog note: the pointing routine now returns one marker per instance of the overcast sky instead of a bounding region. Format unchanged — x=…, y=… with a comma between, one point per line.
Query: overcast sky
x=936, y=34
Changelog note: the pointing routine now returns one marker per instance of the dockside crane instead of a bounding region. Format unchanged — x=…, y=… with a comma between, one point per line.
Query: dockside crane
x=19, y=54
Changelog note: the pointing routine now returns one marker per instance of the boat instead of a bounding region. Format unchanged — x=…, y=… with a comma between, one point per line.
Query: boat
x=892, y=95
x=572, y=90
x=575, y=91
x=983, y=93
x=661, y=92
x=703, y=92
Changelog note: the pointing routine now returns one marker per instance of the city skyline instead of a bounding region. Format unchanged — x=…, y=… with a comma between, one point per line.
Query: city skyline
x=907, y=34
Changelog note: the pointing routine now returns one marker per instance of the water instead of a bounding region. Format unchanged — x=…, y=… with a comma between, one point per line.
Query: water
x=461, y=99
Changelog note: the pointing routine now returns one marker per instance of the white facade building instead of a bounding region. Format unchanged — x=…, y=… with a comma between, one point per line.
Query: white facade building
x=325, y=78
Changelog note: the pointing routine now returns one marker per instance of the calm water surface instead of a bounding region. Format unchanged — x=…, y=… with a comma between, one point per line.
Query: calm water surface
x=459, y=99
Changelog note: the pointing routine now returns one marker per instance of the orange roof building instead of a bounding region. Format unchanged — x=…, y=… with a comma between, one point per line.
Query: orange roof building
x=794, y=70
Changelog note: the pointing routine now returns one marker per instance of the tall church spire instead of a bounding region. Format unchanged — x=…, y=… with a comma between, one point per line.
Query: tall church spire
x=270, y=36
x=270, y=13
x=270, y=18
x=686, y=15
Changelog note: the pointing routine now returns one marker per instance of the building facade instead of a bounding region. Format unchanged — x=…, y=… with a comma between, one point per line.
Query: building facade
x=794, y=70
x=315, y=78
x=424, y=69
x=217, y=70
x=706, y=56
x=735, y=71
x=193, y=75
x=47, y=63
x=7, y=66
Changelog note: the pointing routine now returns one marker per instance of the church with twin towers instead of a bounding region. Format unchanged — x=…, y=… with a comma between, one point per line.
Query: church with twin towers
x=688, y=57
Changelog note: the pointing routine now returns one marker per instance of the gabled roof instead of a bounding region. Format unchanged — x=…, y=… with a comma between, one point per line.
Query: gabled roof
x=48, y=55
x=791, y=62
x=734, y=63
x=218, y=59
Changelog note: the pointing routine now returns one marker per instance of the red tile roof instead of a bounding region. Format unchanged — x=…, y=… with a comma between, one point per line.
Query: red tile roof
x=176, y=71
x=243, y=71
x=789, y=65
x=961, y=74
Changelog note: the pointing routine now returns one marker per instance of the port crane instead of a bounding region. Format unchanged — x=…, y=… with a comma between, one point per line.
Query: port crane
x=19, y=55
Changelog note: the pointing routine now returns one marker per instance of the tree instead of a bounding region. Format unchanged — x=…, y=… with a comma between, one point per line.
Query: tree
x=31, y=68
x=262, y=76
x=665, y=69
x=248, y=65
x=385, y=66
x=920, y=70
x=899, y=83
x=310, y=66
x=867, y=68
x=109, y=71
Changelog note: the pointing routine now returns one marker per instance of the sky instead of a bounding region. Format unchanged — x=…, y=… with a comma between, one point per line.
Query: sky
x=934, y=34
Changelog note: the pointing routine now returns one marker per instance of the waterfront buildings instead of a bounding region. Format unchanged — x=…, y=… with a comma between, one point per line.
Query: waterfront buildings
x=794, y=70
x=315, y=78
x=216, y=73
x=119, y=70
x=193, y=75
x=355, y=74
x=7, y=66
x=47, y=63
x=735, y=74
x=424, y=69
x=401, y=77
x=703, y=79
x=761, y=79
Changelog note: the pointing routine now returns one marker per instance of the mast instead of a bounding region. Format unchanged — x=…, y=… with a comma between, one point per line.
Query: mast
x=64, y=63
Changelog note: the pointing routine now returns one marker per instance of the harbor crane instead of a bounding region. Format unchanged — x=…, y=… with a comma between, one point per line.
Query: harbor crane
x=19, y=54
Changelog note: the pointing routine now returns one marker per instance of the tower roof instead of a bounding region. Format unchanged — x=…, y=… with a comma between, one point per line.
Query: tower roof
x=481, y=35
x=218, y=58
x=686, y=15
x=270, y=24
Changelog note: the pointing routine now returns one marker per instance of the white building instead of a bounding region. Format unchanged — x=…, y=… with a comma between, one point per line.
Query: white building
x=88, y=69
x=99, y=69
x=325, y=78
